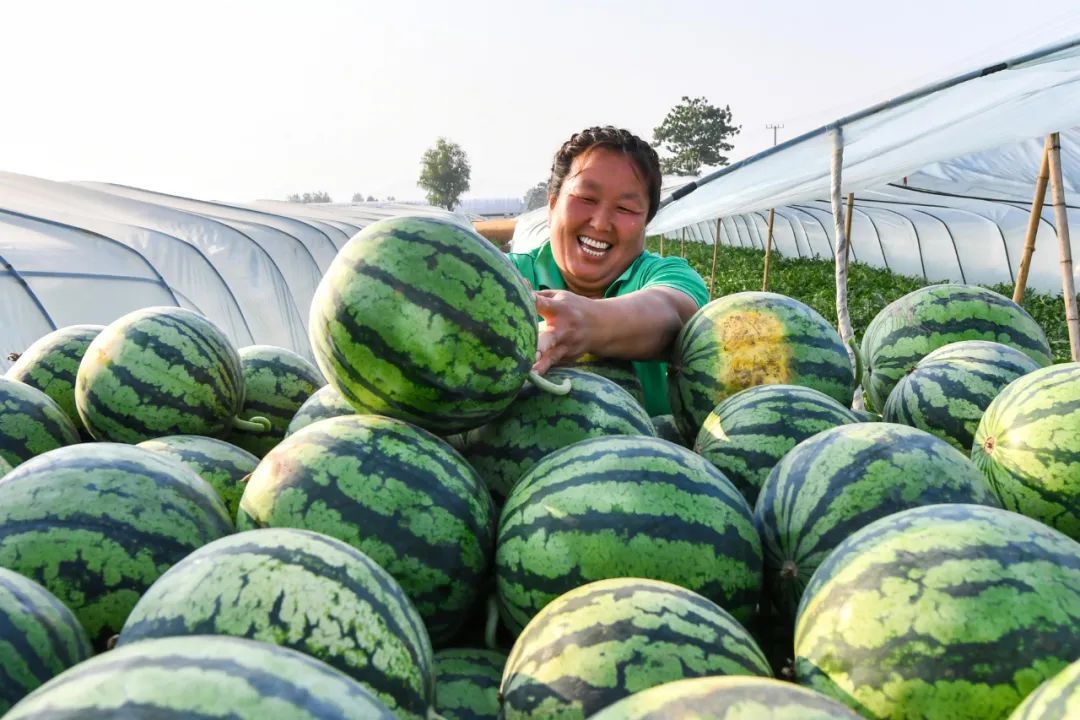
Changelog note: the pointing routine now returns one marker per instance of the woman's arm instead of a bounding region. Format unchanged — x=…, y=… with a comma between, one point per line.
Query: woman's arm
x=638, y=326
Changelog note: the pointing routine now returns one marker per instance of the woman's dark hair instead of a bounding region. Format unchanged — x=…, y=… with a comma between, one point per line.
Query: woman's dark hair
x=624, y=141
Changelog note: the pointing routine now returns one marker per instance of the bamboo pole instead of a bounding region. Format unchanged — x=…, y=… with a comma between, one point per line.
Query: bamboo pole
x=768, y=251
x=661, y=244
x=715, y=251
x=847, y=218
x=682, y=244
x=843, y=317
x=1068, y=284
x=1033, y=222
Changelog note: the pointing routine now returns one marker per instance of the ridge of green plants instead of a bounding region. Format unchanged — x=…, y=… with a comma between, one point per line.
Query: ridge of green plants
x=870, y=289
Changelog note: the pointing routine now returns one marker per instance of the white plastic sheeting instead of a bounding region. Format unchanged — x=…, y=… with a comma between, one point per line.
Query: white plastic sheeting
x=75, y=253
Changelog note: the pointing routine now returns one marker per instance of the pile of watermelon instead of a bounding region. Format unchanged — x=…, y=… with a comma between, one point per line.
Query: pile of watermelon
x=415, y=526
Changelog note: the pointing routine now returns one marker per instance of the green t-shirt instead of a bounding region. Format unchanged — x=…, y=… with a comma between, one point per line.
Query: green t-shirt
x=647, y=270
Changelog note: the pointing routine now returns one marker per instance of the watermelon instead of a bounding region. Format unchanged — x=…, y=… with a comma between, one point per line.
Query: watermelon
x=747, y=434
x=200, y=678
x=326, y=402
x=1056, y=699
x=666, y=429
x=467, y=683
x=753, y=338
x=943, y=611
x=39, y=637
x=949, y=389
x=842, y=479
x=610, y=639
x=219, y=463
x=726, y=698
x=1028, y=446
x=907, y=330
x=277, y=382
x=392, y=490
x=97, y=523
x=420, y=319
x=539, y=423
x=160, y=371
x=625, y=506
x=621, y=372
x=51, y=363
x=302, y=590
x=31, y=423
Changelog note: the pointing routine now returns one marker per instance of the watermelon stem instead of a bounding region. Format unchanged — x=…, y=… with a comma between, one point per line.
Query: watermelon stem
x=492, y=625
x=546, y=385
x=256, y=424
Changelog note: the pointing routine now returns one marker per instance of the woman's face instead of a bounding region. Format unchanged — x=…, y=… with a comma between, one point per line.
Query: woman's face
x=597, y=220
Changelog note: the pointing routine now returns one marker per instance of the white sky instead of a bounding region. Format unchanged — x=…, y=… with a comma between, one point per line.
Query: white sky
x=238, y=100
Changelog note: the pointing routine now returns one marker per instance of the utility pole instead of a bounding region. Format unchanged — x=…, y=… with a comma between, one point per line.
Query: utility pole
x=774, y=128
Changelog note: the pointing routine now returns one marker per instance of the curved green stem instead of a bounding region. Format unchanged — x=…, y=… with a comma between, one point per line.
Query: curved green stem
x=255, y=424
x=859, y=368
x=546, y=385
x=492, y=625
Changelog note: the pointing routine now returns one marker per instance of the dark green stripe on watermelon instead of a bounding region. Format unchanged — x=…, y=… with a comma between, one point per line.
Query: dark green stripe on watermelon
x=97, y=523
x=908, y=329
x=748, y=339
x=301, y=590
x=325, y=403
x=841, y=480
x=727, y=698
x=949, y=389
x=747, y=433
x=219, y=463
x=159, y=371
x=607, y=640
x=191, y=678
x=422, y=320
x=625, y=506
x=620, y=372
x=539, y=423
x=1028, y=446
x=666, y=429
x=39, y=637
x=277, y=382
x=31, y=423
x=51, y=363
x=1056, y=699
x=954, y=611
x=392, y=490
x=467, y=683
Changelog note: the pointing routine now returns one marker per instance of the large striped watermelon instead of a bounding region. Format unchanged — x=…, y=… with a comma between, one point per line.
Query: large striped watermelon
x=666, y=429
x=949, y=389
x=326, y=402
x=277, y=382
x=51, y=363
x=219, y=463
x=625, y=506
x=906, y=330
x=1028, y=446
x=31, y=423
x=538, y=423
x=621, y=372
x=39, y=637
x=753, y=338
x=610, y=639
x=726, y=698
x=747, y=434
x=97, y=523
x=945, y=611
x=160, y=371
x=422, y=320
x=1056, y=699
x=301, y=590
x=467, y=683
x=843, y=479
x=202, y=678
x=392, y=490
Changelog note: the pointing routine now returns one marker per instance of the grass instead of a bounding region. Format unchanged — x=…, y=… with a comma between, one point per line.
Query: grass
x=869, y=289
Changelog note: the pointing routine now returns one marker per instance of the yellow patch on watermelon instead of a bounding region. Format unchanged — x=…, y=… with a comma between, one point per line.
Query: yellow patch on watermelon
x=754, y=350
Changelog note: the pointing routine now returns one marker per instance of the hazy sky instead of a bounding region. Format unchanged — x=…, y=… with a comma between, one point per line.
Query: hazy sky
x=245, y=100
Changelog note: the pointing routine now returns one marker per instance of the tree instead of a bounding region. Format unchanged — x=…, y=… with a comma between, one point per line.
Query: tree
x=695, y=133
x=358, y=197
x=444, y=173
x=319, y=196
x=536, y=196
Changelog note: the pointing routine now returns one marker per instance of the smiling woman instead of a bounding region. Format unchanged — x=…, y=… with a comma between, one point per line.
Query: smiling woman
x=597, y=289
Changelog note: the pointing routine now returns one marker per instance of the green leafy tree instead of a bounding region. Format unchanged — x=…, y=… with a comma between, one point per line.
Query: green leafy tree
x=444, y=173
x=358, y=197
x=536, y=196
x=695, y=133
x=319, y=196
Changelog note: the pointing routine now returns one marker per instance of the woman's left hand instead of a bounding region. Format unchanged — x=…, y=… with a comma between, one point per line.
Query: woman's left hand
x=567, y=329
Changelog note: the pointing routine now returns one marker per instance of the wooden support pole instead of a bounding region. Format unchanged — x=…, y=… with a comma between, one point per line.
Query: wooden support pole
x=661, y=244
x=847, y=218
x=1033, y=222
x=768, y=251
x=682, y=243
x=843, y=317
x=1068, y=285
x=715, y=250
